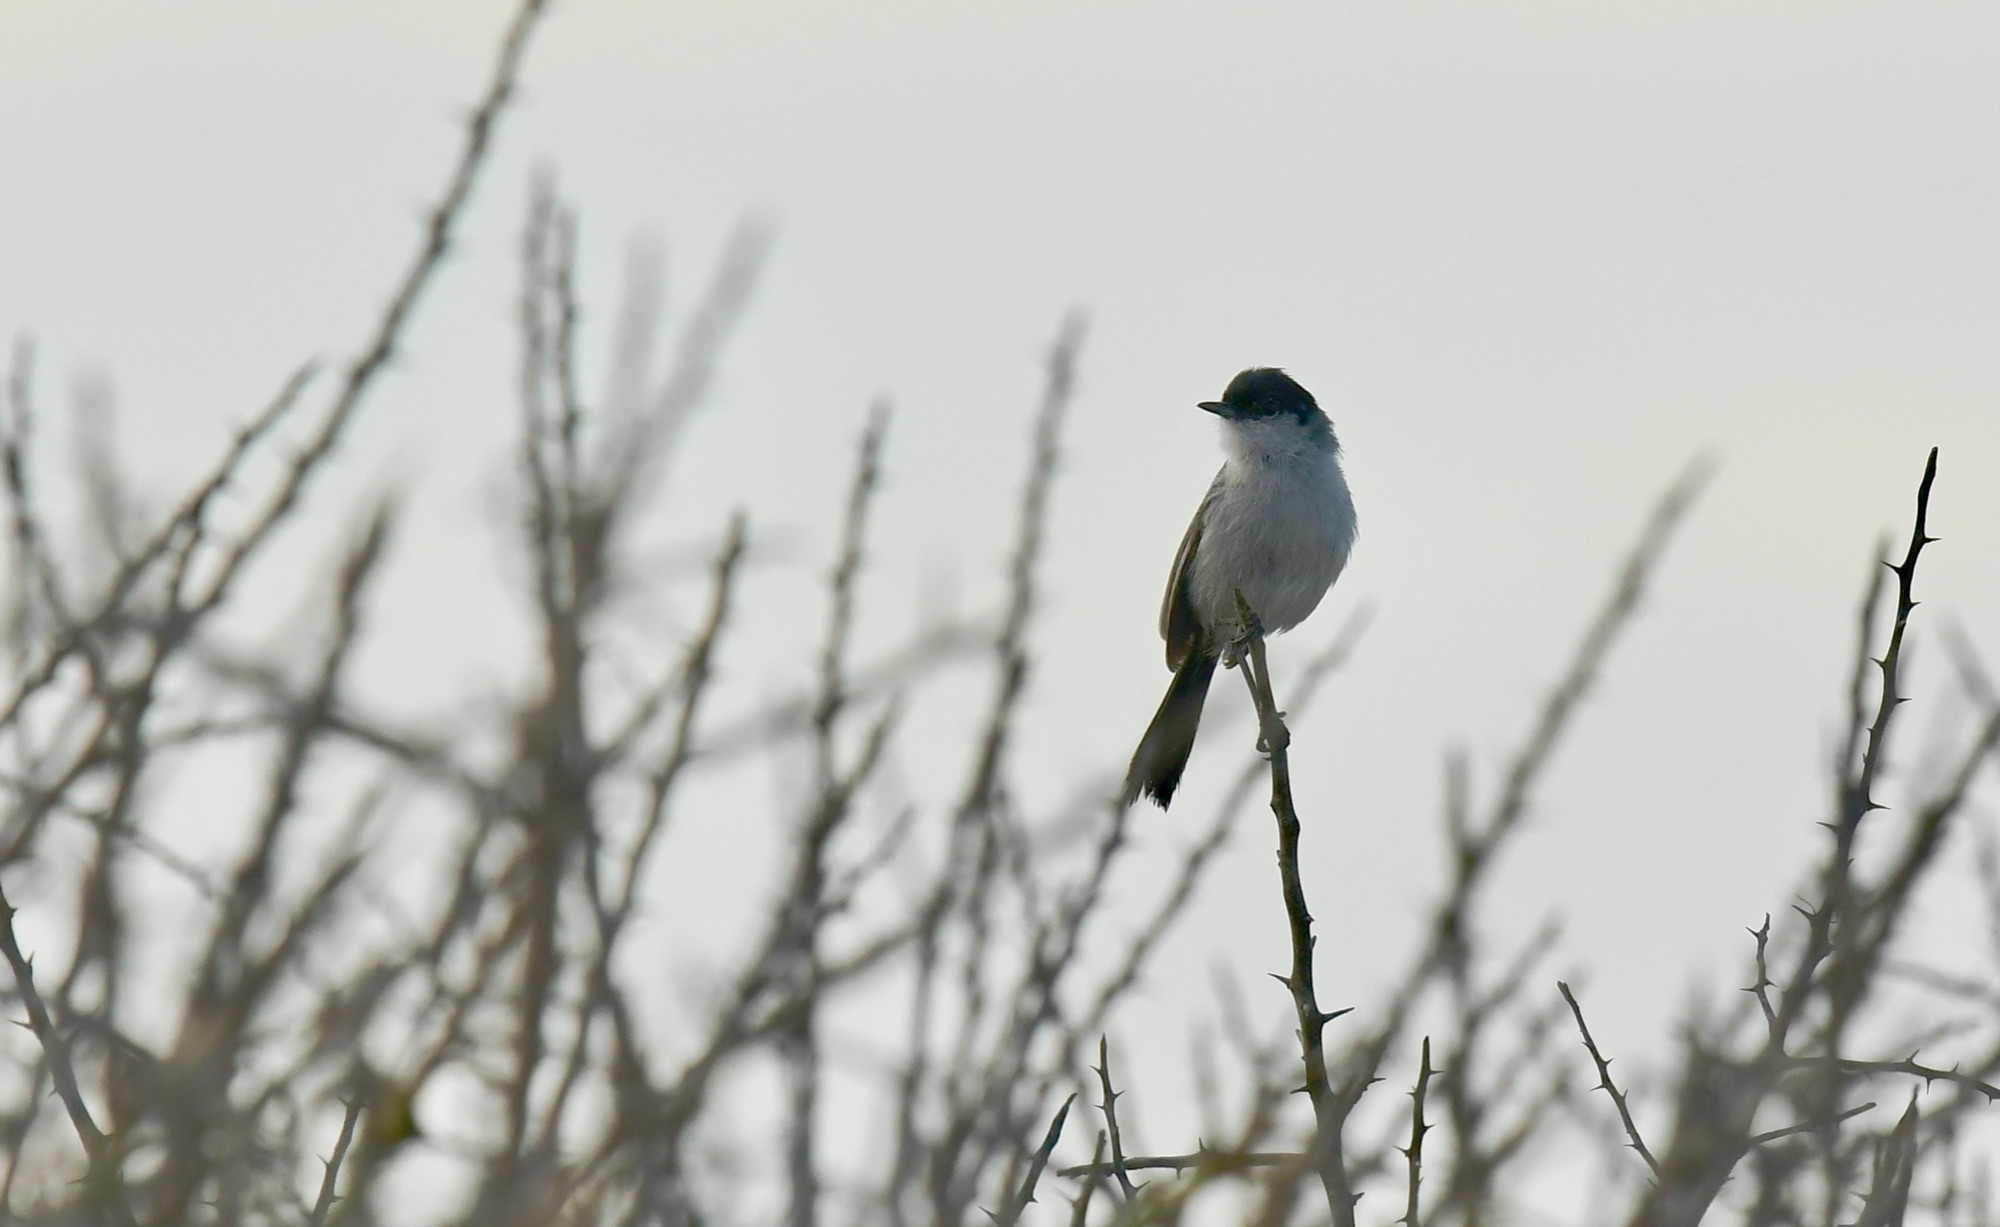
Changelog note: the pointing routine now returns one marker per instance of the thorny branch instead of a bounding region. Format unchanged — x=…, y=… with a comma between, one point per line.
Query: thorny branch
x=1109, y=1106
x=104, y=1185
x=1605, y=1084
x=1036, y=1164
x=1413, y=1154
x=1327, y=1154
x=500, y=1004
x=323, y=1204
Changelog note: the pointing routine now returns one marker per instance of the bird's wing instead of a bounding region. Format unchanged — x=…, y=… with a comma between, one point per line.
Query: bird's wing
x=1179, y=625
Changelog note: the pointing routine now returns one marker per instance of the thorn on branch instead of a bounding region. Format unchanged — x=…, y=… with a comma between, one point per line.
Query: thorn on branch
x=324, y=1205
x=1414, y=1152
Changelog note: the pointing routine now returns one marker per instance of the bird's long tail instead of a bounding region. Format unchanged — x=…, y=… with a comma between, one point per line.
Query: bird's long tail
x=1163, y=752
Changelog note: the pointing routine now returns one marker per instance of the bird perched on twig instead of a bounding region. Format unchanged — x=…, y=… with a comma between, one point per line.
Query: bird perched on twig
x=1270, y=537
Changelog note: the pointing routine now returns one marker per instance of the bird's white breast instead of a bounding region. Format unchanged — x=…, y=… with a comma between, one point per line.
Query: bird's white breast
x=1277, y=526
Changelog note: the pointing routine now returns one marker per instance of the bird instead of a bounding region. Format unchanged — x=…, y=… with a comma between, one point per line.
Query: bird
x=1272, y=534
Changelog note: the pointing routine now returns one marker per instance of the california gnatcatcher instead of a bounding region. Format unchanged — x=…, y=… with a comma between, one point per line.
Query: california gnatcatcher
x=1274, y=530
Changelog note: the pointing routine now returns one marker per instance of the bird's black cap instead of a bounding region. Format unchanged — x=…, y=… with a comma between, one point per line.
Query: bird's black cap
x=1264, y=392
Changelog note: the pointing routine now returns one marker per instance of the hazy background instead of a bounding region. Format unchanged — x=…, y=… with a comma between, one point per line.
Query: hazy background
x=1530, y=257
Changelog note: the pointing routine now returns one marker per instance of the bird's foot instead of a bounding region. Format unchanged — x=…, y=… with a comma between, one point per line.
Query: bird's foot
x=1247, y=628
x=1273, y=737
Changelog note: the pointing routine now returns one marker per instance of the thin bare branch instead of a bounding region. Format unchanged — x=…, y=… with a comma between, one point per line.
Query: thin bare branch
x=1025, y=1196
x=1606, y=1085
x=1109, y=1106
x=106, y=1187
x=323, y=1204
x=1414, y=1152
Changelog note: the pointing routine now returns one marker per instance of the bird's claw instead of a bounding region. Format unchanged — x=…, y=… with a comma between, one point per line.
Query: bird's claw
x=1283, y=739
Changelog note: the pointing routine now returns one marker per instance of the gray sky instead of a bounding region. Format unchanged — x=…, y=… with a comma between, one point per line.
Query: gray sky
x=1531, y=258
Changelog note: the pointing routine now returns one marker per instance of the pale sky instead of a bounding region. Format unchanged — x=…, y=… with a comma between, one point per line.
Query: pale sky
x=1530, y=257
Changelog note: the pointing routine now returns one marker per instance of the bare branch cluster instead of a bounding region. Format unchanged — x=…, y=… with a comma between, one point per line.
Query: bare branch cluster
x=491, y=1026
x=1767, y=1101
x=482, y=1036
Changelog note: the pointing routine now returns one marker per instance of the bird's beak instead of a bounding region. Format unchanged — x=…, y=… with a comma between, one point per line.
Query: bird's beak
x=1219, y=408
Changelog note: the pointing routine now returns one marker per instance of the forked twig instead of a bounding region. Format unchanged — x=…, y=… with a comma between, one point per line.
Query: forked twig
x=1110, y=1109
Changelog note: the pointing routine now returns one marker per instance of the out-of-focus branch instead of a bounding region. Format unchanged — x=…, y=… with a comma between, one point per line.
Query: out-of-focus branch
x=1011, y=646
x=1888, y=1196
x=1475, y=841
x=835, y=786
x=987, y=1097
x=1080, y=1208
x=1581, y=676
x=381, y=347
